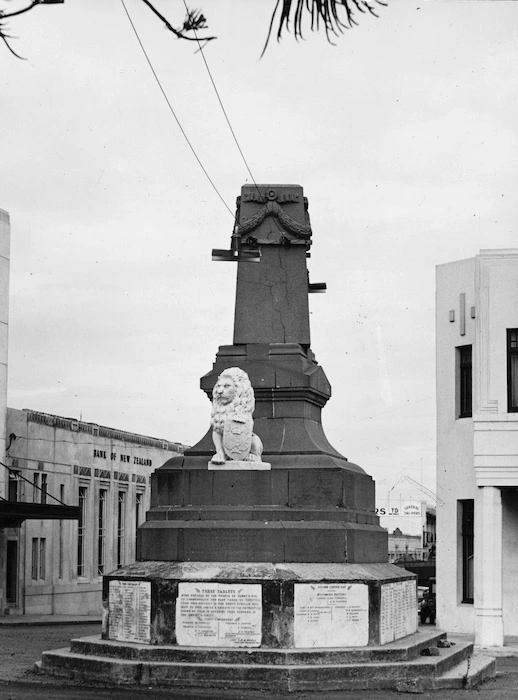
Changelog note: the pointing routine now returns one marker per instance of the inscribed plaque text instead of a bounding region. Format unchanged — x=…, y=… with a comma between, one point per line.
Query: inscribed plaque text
x=398, y=613
x=219, y=615
x=331, y=615
x=129, y=605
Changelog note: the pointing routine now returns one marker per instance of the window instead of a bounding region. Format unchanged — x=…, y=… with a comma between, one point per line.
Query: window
x=34, y=558
x=121, y=517
x=60, y=554
x=81, y=531
x=42, y=557
x=36, y=488
x=14, y=480
x=139, y=501
x=464, y=373
x=38, y=558
x=44, y=488
x=467, y=534
x=39, y=487
x=101, y=534
x=512, y=370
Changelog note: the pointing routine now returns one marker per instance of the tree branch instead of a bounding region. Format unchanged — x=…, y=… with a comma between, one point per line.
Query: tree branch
x=320, y=11
x=194, y=20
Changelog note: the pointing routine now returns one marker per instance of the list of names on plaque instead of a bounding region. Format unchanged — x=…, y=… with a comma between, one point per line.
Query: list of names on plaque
x=398, y=613
x=219, y=614
x=129, y=605
x=331, y=615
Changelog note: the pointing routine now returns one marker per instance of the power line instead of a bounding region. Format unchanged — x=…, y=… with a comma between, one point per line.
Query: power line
x=220, y=101
x=200, y=48
x=391, y=410
x=173, y=112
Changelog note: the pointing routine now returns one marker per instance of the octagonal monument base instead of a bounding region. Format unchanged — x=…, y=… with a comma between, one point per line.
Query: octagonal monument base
x=260, y=626
x=259, y=605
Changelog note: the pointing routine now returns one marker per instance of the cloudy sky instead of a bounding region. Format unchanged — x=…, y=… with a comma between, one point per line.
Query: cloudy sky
x=403, y=135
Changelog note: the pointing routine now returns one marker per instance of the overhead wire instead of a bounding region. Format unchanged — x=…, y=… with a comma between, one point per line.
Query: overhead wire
x=173, y=112
x=200, y=48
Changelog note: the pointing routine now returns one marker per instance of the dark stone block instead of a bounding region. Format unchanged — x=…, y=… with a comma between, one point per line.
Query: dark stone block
x=366, y=543
x=219, y=541
x=315, y=487
x=315, y=542
x=241, y=487
x=156, y=540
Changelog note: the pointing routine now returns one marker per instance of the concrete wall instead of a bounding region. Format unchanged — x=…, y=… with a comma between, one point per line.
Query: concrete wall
x=455, y=473
x=496, y=430
x=74, y=454
x=477, y=458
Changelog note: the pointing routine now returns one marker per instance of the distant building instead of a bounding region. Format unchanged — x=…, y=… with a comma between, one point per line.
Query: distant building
x=403, y=546
x=56, y=566
x=411, y=528
x=477, y=445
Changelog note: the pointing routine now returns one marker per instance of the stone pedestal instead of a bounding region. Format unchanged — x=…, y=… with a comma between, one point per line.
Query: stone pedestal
x=255, y=566
x=264, y=578
x=259, y=605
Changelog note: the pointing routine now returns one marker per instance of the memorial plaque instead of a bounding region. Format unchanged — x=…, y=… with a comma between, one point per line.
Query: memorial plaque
x=129, y=605
x=219, y=615
x=331, y=615
x=398, y=613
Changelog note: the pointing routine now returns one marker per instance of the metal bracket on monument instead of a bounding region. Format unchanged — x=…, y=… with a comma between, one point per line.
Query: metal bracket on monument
x=237, y=253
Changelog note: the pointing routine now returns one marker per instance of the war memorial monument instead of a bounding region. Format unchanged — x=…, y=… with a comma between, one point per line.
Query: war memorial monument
x=262, y=564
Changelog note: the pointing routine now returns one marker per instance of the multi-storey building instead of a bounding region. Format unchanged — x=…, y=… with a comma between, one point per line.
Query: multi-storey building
x=55, y=566
x=477, y=445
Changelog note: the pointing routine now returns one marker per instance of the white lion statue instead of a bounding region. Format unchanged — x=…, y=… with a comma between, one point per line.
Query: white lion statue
x=233, y=404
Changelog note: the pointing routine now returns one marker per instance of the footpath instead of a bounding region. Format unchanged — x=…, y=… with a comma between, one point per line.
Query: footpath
x=23, y=639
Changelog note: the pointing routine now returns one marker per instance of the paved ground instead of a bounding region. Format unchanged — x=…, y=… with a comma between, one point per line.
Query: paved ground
x=21, y=646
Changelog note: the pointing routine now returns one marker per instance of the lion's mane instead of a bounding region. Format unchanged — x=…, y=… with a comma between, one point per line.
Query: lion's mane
x=242, y=405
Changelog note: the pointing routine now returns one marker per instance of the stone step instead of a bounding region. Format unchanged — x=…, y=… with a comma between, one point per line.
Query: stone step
x=420, y=672
x=399, y=650
x=469, y=672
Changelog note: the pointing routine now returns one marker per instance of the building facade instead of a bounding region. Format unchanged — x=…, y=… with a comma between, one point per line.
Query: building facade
x=411, y=528
x=5, y=239
x=477, y=445
x=55, y=566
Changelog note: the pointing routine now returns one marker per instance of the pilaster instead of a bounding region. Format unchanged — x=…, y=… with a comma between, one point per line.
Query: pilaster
x=489, y=627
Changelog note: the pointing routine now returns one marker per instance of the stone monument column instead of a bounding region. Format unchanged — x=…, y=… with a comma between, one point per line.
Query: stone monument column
x=272, y=297
x=314, y=505
x=263, y=535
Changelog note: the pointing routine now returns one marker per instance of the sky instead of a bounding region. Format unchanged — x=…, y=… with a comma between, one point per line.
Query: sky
x=403, y=135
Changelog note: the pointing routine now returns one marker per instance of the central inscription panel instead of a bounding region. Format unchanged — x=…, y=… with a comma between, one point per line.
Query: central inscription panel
x=331, y=615
x=219, y=615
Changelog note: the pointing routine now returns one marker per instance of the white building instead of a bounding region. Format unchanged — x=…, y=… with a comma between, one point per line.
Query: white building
x=477, y=446
x=54, y=562
x=71, y=496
